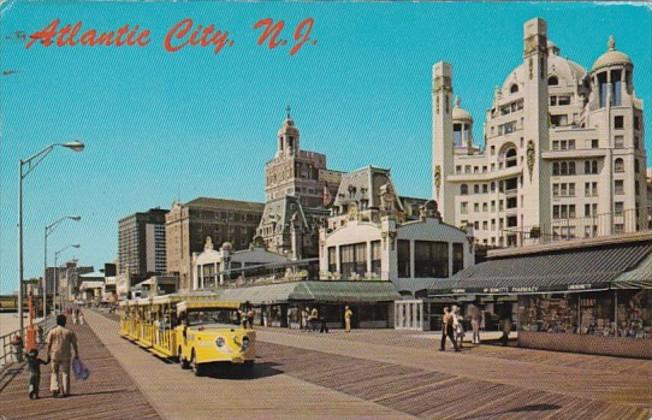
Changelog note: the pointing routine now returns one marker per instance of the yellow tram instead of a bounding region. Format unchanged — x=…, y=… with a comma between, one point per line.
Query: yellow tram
x=196, y=329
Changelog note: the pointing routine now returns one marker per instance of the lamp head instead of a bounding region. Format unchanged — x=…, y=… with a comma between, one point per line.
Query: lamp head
x=75, y=245
x=75, y=218
x=75, y=146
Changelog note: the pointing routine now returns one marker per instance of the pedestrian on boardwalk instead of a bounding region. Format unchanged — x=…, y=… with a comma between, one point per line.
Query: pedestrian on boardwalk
x=348, y=314
x=60, y=341
x=17, y=346
x=34, y=368
x=75, y=316
x=81, y=318
x=458, y=326
x=447, y=330
x=304, y=319
x=250, y=317
x=507, y=328
x=314, y=317
x=475, y=324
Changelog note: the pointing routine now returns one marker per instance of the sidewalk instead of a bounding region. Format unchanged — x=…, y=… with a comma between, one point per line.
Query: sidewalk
x=107, y=394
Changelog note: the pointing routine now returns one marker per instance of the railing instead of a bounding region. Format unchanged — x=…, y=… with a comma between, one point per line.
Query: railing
x=570, y=228
x=7, y=353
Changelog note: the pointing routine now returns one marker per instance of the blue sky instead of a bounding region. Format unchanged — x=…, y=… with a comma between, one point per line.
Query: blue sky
x=160, y=125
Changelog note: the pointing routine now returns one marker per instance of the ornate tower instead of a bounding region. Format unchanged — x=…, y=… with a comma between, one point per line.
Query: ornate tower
x=442, y=134
x=288, y=137
x=535, y=208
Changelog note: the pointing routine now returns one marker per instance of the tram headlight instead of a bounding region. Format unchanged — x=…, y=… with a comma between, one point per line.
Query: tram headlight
x=245, y=343
x=220, y=342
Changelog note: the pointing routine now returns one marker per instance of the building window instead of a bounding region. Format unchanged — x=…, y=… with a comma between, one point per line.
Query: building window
x=602, y=83
x=464, y=189
x=510, y=158
x=485, y=188
x=559, y=120
x=616, y=87
x=555, y=168
x=619, y=165
x=619, y=187
x=619, y=142
x=618, y=208
x=563, y=100
x=458, y=169
x=637, y=189
x=594, y=144
x=493, y=150
x=619, y=122
x=458, y=257
x=637, y=123
x=637, y=167
x=571, y=144
x=590, y=166
x=430, y=259
x=376, y=257
x=553, y=81
x=403, y=257
x=513, y=88
x=353, y=259
x=512, y=203
x=332, y=263
x=464, y=207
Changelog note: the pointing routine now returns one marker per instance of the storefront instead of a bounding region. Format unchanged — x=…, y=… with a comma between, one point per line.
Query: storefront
x=280, y=305
x=588, y=300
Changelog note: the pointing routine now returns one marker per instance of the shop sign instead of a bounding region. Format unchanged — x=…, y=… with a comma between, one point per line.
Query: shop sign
x=528, y=289
x=579, y=286
x=495, y=289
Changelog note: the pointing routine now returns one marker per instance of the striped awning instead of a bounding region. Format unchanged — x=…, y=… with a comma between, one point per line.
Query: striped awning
x=638, y=278
x=562, y=271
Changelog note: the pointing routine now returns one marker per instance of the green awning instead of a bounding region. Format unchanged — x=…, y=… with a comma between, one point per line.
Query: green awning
x=267, y=294
x=345, y=291
x=314, y=291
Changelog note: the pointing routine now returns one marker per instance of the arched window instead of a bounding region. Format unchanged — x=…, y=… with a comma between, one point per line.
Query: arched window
x=553, y=81
x=564, y=168
x=464, y=189
x=619, y=165
x=510, y=158
x=555, y=168
x=513, y=88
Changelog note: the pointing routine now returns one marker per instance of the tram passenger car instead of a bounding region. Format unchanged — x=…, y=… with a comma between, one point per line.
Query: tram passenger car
x=195, y=329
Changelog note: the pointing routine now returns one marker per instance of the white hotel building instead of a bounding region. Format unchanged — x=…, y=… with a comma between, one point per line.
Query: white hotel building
x=563, y=152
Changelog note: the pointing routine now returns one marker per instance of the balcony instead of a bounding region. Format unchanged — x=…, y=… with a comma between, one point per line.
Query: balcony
x=608, y=226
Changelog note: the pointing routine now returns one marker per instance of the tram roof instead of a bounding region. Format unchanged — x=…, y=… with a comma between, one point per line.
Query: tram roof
x=207, y=304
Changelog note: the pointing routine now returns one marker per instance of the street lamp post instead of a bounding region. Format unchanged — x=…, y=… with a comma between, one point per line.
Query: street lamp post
x=56, y=265
x=31, y=163
x=49, y=229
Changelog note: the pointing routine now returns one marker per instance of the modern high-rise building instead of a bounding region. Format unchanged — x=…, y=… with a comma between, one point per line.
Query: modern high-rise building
x=563, y=153
x=298, y=189
x=189, y=225
x=141, y=243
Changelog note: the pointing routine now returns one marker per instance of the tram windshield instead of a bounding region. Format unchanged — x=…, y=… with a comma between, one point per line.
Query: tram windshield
x=228, y=317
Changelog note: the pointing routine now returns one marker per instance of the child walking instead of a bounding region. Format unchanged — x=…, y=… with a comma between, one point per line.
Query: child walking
x=34, y=368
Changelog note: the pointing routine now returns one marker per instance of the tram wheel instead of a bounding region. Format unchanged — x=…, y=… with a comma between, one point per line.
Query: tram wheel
x=182, y=362
x=198, y=370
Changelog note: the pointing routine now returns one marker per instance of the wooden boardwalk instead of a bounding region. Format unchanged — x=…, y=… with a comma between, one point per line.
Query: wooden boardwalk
x=429, y=394
x=108, y=393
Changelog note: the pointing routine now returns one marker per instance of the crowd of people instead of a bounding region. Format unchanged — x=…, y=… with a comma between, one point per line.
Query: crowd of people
x=453, y=327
